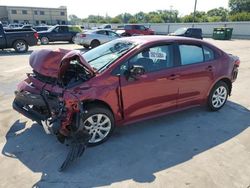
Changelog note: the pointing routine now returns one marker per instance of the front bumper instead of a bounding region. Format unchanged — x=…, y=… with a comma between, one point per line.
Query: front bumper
x=25, y=103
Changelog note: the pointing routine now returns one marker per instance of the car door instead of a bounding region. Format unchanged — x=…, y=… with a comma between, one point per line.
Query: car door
x=197, y=72
x=64, y=34
x=102, y=36
x=112, y=35
x=154, y=92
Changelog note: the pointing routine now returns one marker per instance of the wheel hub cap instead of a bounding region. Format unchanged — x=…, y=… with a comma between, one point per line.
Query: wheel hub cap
x=20, y=46
x=98, y=126
x=219, y=97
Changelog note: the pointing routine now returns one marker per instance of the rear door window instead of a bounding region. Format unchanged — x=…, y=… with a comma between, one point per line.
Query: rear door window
x=191, y=54
x=101, y=32
x=208, y=54
x=112, y=34
x=128, y=27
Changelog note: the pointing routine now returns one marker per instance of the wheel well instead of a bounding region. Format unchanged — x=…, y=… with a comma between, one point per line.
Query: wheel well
x=95, y=40
x=229, y=84
x=97, y=103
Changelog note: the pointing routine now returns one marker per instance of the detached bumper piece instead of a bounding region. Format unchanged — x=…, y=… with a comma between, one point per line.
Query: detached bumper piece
x=24, y=103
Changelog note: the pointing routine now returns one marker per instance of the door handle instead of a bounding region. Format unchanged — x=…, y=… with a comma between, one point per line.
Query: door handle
x=210, y=68
x=173, y=77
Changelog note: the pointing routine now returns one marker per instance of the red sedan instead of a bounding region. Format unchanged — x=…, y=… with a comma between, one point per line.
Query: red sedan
x=123, y=81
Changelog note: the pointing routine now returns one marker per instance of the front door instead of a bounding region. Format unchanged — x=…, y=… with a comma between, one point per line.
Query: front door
x=154, y=92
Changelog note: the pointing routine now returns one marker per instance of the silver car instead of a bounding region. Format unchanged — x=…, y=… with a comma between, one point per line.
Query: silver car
x=94, y=38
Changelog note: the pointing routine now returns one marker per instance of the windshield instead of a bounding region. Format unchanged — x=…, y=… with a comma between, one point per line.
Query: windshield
x=101, y=57
x=50, y=29
x=180, y=31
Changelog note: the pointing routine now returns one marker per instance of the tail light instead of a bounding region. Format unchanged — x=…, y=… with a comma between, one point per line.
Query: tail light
x=237, y=63
x=36, y=35
x=82, y=35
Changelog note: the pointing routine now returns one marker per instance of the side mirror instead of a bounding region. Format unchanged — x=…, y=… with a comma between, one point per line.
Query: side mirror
x=137, y=70
x=134, y=72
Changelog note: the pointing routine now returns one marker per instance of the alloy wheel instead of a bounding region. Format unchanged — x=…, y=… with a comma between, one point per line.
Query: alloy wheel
x=20, y=46
x=219, y=97
x=98, y=126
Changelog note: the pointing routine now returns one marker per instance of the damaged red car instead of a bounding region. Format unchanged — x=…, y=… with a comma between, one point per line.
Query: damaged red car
x=121, y=82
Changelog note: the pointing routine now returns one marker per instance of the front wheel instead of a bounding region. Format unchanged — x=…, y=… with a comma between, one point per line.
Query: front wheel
x=20, y=46
x=218, y=96
x=99, y=122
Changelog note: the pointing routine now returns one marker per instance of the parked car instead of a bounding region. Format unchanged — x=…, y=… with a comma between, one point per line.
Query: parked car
x=123, y=81
x=103, y=26
x=188, y=32
x=94, y=38
x=134, y=30
x=59, y=33
x=19, y=39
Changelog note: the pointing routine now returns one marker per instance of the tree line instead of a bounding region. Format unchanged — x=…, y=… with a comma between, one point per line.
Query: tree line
x=239, y=10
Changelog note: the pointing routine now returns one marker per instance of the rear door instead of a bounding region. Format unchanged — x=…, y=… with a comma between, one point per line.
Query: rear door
x=61, y=33
x=102, y=36
x=197, y=72
x=154, y=92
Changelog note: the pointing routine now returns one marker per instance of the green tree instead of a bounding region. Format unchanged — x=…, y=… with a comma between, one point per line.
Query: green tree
x=116, y=20
x=74, y=19
x=241, y=16
x=125, y=17
x=133, y=20
x=219, y=14
x=239, y=5
x=156, y=19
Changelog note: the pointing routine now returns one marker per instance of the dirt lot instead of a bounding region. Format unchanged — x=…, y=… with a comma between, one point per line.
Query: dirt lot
x=194, y=148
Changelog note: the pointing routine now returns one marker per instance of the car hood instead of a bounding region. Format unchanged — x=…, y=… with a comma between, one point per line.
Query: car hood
x=53, y=63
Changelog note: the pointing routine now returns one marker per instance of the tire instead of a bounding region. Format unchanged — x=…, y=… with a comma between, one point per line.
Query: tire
x=218, y=96
x=20, y=46
x=73, y=40
x=44, y=40
x=95, y=43
x=86, y=46
x=100, y=132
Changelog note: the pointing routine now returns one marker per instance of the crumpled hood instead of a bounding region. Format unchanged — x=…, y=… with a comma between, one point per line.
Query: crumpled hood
x=52, y=63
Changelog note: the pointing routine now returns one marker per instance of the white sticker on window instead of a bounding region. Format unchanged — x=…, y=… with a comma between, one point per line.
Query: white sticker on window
x=157, y=55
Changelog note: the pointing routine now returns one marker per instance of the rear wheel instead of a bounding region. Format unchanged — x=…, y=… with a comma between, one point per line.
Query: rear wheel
x=218, y=96
x=20, y=46
x=44, y=40
x=95, y=43
x=99, y=122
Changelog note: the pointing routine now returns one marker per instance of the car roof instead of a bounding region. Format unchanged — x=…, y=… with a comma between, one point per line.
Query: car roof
x=161, y=38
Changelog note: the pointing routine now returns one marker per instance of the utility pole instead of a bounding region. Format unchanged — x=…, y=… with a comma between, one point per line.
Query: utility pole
x=194, y=10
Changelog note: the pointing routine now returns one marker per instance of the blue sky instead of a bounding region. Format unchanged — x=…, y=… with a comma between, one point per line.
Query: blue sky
x=114, y=7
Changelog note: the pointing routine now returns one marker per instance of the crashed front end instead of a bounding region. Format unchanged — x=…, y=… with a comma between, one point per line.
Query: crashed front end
x=44, y=96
